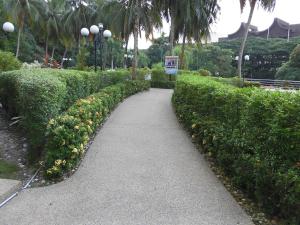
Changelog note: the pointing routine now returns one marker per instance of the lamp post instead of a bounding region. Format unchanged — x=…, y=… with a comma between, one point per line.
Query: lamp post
x=98, y=34
x=8, y=27
x=246, y=58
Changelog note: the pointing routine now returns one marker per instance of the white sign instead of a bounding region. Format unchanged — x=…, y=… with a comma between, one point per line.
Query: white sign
x=171, y=64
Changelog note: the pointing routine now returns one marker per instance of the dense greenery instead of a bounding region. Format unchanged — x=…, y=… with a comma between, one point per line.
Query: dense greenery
x=252, y=133
x=8, y=62
x=291, y=69
x=266, y=56
x=41, y=94
x=69, y=133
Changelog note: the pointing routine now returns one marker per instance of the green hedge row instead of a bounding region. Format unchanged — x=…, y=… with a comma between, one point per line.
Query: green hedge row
x=41, y=94
x=68, y=133
x=163, y=84
x=253, y=134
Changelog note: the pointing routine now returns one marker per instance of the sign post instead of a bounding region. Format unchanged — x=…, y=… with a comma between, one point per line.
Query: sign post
x=171, y=65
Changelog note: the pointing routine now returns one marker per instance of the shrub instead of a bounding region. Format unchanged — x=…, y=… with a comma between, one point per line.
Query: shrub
x=288, y=72
x=68, y=133
x=158, y=75
x=204, y=72
x=41, y=94
x=252, y=133
x=163, y=84
x=8, y=62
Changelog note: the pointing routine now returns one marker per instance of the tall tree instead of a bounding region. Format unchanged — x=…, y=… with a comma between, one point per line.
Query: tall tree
x=267, y=5
x=194, y=20
x=139, y=15
x=24, y=11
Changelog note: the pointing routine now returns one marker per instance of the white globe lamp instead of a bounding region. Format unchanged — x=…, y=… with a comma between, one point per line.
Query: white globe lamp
x=85, y=32
x=94, y=29
x=247, y=57
x=8, y=27
x=107, y=34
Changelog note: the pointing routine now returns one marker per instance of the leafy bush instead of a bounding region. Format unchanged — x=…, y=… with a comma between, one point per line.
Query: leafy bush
x=252, y=133
x=163, y=84
x=142, y=73
x=204, y=72
x=41, y=94
x=158, y=75
x=288, y=72
x=8, y=62
x=68, y=133
x=291, y=69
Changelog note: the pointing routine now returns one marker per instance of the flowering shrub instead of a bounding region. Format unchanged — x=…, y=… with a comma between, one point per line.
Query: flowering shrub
x=252, y=133
x=37, y=95
x=68, y=134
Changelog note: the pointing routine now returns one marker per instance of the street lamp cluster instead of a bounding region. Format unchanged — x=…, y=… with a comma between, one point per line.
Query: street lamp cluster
x=98, y=34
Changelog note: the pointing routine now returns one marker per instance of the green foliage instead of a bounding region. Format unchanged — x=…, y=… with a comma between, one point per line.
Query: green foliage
x=163, y=84
x=252, y=133
x=288, y=72
x=291, y=69
x=69, y=133
x=41, y=94
x=7, y=170
x=212, y=58
x=204, y=72
x=158, y=75
x=295, y=57
x=144, y=61
x=81, y=60
x=265, y=55
x=8, y=62
x=142, y=73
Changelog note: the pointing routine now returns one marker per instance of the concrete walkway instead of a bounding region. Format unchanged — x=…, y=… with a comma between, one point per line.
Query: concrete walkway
x=142, y=169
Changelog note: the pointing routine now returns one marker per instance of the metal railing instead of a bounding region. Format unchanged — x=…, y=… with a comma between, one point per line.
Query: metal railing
x=288, y=84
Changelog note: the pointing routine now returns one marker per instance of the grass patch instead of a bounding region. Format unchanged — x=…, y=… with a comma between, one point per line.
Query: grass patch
x=8, y=170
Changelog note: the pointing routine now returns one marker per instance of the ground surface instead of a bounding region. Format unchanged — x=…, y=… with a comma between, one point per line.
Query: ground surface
x=13, y=151
x=142, y=169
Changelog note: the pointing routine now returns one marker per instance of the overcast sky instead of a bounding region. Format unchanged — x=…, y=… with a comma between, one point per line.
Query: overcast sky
x=230, y=18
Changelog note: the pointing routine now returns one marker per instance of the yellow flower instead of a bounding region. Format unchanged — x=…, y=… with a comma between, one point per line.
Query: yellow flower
x=90, y=122
x=76, y=127
x=55, y=168
x=64, y=162
x=51, y=122
x=75, y=150
x=58, y=162
x=49, y=171
x=194, y=126
x=81, y=146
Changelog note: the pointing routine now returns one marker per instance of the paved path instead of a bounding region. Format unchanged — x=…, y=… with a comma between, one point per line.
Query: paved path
x=142, y=169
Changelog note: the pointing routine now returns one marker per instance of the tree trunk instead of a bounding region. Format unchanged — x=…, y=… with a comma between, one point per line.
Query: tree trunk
x=46, y=52
x=19, y=36
x=182, y=51
x=172, y=31
x=136, y=46
x=52, y=55
x=241, y=52
x=126, y=53
x=62, y=60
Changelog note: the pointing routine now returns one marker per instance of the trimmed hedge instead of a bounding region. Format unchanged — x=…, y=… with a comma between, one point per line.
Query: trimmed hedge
x=163, y=84
x=68, y=133
x=252, y=133
x=40, y=94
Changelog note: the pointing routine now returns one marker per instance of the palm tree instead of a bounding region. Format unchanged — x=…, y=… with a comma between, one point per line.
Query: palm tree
x=24, y=11
x=169, y=10
x=193, y=21
x=267, y=5
x=137, y=15
x=51, y=24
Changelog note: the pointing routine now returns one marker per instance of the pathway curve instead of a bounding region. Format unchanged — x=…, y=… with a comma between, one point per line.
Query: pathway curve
x=142, y=169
